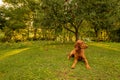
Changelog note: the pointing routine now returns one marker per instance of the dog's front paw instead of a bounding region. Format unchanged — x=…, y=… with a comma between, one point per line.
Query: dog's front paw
x=72, y=67
x=88, y=67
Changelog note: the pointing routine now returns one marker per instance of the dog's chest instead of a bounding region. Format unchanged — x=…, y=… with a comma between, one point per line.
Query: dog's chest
x=79, y=53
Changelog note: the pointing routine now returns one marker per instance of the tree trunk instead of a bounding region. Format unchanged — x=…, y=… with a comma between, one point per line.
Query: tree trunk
x=96, y=34
x=28, y=33
x=35, y=34
x=76, y=34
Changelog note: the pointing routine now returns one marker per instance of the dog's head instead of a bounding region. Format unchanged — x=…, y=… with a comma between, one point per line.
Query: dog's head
x=80, y=45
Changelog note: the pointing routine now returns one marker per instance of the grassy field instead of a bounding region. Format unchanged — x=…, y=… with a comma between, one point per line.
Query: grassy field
x=43, y=60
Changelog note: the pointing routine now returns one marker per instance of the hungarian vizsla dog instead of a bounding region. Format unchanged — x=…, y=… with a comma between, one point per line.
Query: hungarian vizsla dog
x=78, y=53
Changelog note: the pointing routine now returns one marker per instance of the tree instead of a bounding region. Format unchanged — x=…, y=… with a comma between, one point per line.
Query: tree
x=59, y=14
x=15, y=13
x=104, y=14
x=2, y=17
x=68, y=13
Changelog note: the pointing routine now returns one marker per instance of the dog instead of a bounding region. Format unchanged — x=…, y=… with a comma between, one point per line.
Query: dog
x=78, y=53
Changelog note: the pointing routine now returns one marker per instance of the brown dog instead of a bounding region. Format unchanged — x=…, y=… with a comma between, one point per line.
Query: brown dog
x=78, y=53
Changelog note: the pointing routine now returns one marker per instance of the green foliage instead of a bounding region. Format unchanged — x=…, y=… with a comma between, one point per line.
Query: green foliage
x=115, y=35
x=101, y=14
x=2, y=17
x=1, y=35
x=62, y=14
x=16, y=18
x=104, y=14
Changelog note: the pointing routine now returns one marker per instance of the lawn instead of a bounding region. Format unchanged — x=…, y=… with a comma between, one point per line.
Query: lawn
x=46, y=60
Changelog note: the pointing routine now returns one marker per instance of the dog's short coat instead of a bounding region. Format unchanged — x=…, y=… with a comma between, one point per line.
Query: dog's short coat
x=78, y=53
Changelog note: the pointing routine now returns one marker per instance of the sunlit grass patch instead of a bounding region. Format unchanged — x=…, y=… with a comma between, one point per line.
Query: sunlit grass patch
x=13, y=52
x=107, y=45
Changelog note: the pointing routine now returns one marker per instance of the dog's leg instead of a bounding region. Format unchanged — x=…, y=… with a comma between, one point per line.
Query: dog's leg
x=71, y=54
x=86, y=63
x=74, y=63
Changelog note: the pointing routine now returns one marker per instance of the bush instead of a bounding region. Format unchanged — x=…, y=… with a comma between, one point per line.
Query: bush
x=115, y=35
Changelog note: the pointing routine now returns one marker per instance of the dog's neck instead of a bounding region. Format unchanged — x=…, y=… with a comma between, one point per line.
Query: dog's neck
x=79, y=50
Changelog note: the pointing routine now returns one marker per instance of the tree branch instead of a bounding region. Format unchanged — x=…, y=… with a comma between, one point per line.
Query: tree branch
x=79, y=23
x=75, y=27
x=69, y=29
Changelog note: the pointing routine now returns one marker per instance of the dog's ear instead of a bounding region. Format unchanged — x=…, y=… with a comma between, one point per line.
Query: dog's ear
x=76, y=45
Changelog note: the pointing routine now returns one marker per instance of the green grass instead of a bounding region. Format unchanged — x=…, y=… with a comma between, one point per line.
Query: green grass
x=48, y=61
